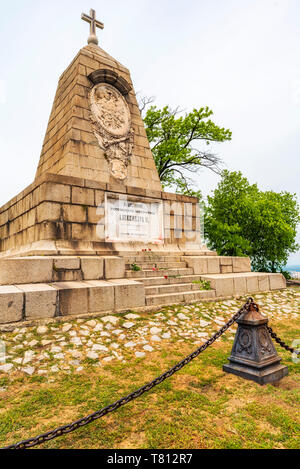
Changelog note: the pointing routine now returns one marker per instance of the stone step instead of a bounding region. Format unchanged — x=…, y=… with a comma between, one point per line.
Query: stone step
x=158, y=281
x=164, y=265
x=153, y=259
x=181, y=297
x=46, y=269
x=152, y=256
x=157, y=273
x=218, y=264
x=244, y=282
x=172, y=288
x=200, y=253
x=42, y=301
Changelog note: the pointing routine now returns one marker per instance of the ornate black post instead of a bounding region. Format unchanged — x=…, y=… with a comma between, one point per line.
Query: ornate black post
x=253, y=354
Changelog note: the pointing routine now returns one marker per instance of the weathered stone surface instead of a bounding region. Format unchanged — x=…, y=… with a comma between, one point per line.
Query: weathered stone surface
x=279, y=305
x=11, y=304
x=222, y=284
x=180, y=316
x=240, y=285
x=20, y=270
x=100, y=296
x=131, y=316
x=226, y=269
x=224, y=287
x=128, y=294
x=277, y=281
x=128, y=324
x=225, y=260
x=65, y=275
x=48, y=211
x=114, y=267
x=199, y=264
x=6, y=368
x=70, y=147
x=52, y=192
x=110, y=319
x=155, y=330
x=40, y=301
x=83, y=196
x=263, y=283
x=241, y=264
x=213, y=265
x=92, y=355
x=252, y=284
x=73, y=297
x=92, y=268
x=67, y=263
x=74, y=213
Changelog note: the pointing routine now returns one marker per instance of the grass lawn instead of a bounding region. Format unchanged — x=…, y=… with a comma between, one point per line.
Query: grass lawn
x=199, y=407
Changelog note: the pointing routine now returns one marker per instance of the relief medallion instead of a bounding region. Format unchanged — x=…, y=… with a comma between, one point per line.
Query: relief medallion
x=111, y=120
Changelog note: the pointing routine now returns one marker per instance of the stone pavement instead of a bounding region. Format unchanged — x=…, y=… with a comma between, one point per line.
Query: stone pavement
x=70, y=346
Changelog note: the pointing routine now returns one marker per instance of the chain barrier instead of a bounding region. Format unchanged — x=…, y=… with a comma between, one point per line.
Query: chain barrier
x=64, y=430
x=281, y=342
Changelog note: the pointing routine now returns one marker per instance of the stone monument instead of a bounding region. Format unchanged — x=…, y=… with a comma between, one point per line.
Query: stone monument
x=95, y=232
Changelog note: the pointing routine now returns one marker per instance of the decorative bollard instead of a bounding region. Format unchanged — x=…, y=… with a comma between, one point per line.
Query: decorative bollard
x=253, y=355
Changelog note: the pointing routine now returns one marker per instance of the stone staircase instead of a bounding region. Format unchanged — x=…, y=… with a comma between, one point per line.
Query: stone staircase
x=34, y=288
x=172, y=279
x=171, y=283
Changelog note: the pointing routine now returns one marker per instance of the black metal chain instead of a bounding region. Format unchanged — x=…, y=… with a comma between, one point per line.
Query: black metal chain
x=130, y=397
x=281, y=342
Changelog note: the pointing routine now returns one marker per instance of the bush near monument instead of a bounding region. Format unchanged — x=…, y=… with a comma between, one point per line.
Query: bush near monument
x=241, y=220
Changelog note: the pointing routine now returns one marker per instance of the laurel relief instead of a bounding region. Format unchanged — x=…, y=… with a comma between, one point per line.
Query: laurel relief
x=245, y=342
x=264, y=340
x=111, y=121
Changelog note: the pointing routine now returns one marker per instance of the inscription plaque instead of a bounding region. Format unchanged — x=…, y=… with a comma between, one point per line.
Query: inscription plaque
x=128, y=219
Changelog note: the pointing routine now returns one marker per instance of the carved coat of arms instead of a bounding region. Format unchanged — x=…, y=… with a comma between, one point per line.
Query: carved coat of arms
x=111, y=121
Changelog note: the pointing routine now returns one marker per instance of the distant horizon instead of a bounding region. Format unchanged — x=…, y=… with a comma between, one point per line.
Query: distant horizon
x=292, y=266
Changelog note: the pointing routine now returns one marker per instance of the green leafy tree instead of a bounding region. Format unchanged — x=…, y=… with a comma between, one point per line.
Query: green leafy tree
x=241, y=220
x=175, y=138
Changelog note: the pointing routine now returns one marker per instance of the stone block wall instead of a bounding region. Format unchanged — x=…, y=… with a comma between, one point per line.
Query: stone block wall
x=70, y=147
x=44, y=269
x=41, y=301
x=218, y=264
x=67, y=214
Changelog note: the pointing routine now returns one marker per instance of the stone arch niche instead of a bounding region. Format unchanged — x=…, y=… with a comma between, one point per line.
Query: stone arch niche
x=104, y=75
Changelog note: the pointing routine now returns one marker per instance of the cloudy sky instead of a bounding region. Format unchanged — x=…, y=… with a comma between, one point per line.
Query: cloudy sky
x=239, y=57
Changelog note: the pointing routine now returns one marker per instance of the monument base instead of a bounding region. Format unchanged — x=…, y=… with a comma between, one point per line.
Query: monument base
x=64, y=215
x=270, y=374
x=56, y=238
x=253, y=354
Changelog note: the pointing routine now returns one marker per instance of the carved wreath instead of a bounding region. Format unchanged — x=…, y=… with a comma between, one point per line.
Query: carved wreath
x=111, y=121
x=244, y=342
x=265, y=342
